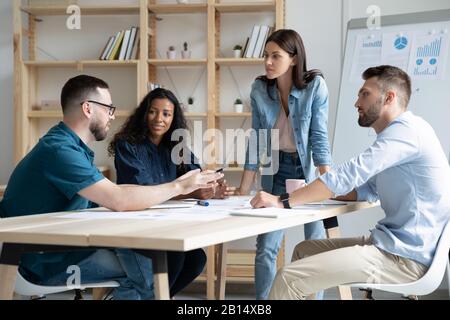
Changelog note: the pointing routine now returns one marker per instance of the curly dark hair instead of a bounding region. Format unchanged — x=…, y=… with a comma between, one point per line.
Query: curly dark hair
x=135, y=129
x=291, y=42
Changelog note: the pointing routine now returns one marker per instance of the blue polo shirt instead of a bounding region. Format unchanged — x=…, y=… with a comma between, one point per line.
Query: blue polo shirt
x=48, y=180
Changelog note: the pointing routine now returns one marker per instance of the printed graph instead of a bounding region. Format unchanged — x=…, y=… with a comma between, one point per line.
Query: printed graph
x=428, y=58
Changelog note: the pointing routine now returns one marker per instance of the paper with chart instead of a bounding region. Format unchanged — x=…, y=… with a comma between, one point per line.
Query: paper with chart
x=396, y=49
x=367, y=54
x=429, y=54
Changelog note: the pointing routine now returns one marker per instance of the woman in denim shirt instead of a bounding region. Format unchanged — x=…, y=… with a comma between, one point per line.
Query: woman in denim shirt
x=295, y=101
x=142, y=155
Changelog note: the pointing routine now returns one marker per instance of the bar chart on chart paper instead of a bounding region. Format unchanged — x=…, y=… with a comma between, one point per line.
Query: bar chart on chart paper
x=429, y=56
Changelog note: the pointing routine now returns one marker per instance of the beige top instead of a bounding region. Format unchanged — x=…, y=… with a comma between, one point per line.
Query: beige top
x=287, y=140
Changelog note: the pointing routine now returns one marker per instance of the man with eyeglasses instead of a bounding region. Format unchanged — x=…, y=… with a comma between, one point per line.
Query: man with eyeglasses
x=59, y=175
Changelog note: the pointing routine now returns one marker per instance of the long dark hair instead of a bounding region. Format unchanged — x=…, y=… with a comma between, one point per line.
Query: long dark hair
x=291, y=42
x=135, y=129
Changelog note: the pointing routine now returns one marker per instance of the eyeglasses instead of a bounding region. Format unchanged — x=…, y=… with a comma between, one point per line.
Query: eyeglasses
x=111, y=108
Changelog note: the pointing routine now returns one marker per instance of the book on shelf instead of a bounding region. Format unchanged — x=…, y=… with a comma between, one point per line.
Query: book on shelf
x=131, y=43
x=269, y=32
x=252, y=41
x=111, y=47
x=115, y=51
x=136, y=48
x=107, y=48
x=244, y=51
x=259, y=46
x=122, y=46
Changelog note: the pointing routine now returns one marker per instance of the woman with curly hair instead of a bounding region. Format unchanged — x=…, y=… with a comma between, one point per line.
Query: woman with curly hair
x=142, y=155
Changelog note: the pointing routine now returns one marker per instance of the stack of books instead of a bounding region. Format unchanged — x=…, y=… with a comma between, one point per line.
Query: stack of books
x=254, y=46
x=123, y=46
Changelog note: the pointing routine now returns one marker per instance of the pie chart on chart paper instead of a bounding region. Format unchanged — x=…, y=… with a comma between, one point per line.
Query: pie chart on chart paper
x=401, y=43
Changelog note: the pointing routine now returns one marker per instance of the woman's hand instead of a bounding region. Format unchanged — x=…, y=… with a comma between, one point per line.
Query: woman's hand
x=223, y=190
x=195, y=179
x=266, y=200
x=203, y=193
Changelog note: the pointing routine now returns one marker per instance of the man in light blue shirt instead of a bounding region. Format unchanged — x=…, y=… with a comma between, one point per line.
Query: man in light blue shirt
x=405, y=168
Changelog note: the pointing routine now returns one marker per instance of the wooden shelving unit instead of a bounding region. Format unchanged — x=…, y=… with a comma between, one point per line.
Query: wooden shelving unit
x=87, y=10
x=177, y=62
x=26, y=72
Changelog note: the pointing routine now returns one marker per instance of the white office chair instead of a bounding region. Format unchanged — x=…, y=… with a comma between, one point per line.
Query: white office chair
x=26, y=288
x=429, y=282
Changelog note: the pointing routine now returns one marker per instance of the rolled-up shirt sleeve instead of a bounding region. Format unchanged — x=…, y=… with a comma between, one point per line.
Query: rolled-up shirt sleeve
x=393, y=146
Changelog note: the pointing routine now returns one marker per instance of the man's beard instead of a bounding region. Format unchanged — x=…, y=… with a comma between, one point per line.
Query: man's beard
x=373, y=113
x=97, y=131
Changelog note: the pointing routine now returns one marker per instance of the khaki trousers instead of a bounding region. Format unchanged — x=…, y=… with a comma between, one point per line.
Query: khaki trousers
x=322, y=264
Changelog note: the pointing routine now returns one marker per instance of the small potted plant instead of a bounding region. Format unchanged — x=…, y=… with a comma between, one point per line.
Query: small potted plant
x=171, y=53
x=186, y=53
x=238, y=106
x=237, y=51
x=190, y=103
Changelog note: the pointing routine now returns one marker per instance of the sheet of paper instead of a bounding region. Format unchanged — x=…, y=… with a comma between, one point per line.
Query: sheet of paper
x=329, y=202
x=367, y=54
x=429, y=56
x=231, y=202
x=271, y=212
x=173, y=204
x=188, y=214
x=396, y=49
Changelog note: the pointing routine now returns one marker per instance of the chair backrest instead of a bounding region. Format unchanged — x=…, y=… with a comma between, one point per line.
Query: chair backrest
x=431, y=279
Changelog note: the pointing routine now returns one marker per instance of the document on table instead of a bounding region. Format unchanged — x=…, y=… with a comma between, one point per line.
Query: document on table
x=306, y=209
x=270, y=212
x=177, y=214
x=173, y=204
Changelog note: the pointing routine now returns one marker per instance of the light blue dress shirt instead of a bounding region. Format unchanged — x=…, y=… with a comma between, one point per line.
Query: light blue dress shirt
x=308, y=113
x=407, y=170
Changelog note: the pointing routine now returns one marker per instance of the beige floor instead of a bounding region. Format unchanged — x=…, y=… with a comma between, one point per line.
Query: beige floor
x=330, y=294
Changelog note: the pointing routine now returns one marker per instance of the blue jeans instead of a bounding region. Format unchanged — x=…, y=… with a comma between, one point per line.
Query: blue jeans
x=268, y=244
x=133, y=271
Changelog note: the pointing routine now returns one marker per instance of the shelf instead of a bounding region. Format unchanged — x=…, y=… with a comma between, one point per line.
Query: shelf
x=233, y=169
x=177, y=62
x=178, y=8
x=195, y=114
x=82, y=63
x=49, y=114
x=239, y=61
x=245, y=7
x=233, y=114
x=85, y=10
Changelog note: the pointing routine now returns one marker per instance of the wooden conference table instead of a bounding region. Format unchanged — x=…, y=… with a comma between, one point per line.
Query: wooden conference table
x=48, y=232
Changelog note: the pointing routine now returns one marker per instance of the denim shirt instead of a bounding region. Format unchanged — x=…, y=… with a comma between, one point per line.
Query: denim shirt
x=308, y=113
x=147, y=164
